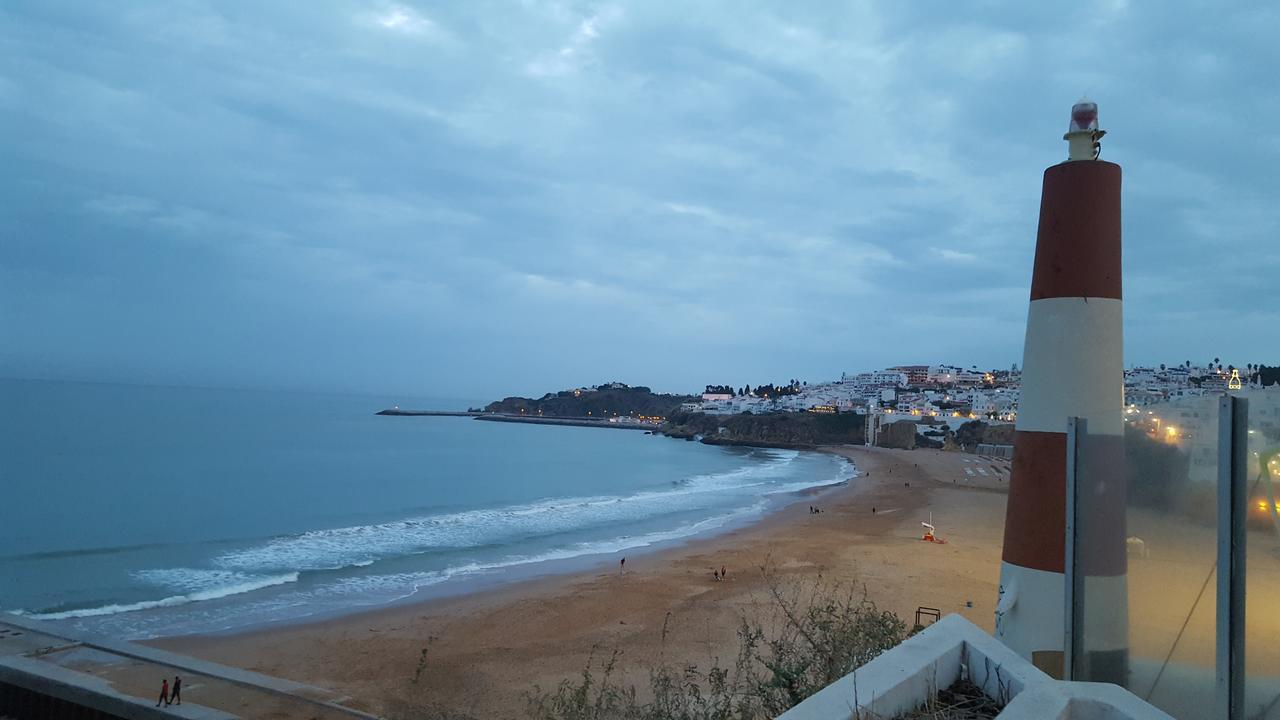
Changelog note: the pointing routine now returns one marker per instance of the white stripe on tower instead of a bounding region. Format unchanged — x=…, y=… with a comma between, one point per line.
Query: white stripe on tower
x=1073, y=365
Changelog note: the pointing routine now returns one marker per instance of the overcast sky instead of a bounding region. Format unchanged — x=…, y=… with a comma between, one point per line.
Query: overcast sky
x=475, y=199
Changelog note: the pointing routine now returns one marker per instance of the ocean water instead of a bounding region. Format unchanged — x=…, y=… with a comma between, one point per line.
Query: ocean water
x=149, y=511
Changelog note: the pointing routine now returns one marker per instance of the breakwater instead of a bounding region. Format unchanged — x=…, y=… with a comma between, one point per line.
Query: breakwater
x=429, y=413
x=579, y=422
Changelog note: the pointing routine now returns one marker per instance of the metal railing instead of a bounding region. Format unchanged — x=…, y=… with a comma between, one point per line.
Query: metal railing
x=1167, y=598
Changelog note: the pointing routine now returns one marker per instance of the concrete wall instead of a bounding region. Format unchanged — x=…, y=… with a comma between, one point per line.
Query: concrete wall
x=31, y=689
x=20, y=703
x=906, y=677
x=997, y=451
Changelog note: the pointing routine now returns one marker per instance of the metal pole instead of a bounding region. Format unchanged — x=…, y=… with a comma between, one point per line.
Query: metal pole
x=1076, y=429
x=1233, y=441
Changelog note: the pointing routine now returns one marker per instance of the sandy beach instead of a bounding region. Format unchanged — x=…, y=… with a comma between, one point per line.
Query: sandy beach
x=486, y=650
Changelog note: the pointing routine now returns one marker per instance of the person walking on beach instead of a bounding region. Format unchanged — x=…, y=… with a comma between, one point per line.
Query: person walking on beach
x=176, y=696
x=622, y=566
x=164, y=692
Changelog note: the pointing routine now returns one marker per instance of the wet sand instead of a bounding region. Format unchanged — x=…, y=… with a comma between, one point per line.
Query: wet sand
x=485, y=651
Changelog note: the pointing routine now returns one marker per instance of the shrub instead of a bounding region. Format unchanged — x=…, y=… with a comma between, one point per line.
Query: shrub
x=812, y=634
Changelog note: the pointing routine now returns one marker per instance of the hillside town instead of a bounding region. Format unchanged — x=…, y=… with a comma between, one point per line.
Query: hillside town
x=949, y=391
x=912, y=390
x=1166, y=400
x=915, y=406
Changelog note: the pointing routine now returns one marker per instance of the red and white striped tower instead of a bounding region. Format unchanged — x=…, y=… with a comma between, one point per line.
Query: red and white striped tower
x=1072, y=366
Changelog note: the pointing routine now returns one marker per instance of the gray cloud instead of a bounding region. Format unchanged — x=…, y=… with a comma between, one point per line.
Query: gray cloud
x=472, y=199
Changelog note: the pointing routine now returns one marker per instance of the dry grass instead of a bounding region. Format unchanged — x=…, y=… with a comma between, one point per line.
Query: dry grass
x=962, y=701
x=817, y=633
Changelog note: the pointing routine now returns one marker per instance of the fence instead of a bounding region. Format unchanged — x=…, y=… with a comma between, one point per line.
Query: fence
x=1173, y=556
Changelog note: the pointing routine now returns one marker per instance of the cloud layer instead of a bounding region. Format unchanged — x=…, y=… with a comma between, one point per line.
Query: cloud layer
x=473, y=199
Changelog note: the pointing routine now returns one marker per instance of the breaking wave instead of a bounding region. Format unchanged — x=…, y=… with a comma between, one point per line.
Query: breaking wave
x=245, y=585
x=334, y=561
x=337, y=548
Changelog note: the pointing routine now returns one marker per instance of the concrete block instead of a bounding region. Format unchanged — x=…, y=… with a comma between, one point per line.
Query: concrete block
x=904, y=678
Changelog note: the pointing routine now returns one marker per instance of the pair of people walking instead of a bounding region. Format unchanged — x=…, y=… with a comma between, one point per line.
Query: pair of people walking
x=168, y=697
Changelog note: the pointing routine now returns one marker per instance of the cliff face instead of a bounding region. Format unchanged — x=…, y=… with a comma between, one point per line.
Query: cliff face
x=900, y=435
x=970, y=434
x=604, y=402
x=782, y=429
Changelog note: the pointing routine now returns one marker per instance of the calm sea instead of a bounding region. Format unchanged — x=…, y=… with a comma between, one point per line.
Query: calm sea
x=146, y=511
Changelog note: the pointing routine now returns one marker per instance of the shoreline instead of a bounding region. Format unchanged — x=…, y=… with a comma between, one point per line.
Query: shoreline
x=532, y=571
x=235, y=611
x=488, y=647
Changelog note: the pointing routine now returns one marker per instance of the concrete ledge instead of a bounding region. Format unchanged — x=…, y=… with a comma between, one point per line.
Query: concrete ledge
x=904, y=678
x=318, y=697
x=1080, y=701
x=92, y=692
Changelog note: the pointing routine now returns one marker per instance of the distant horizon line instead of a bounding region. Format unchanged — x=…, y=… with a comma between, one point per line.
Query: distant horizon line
x=234, y=388
x=416, y=396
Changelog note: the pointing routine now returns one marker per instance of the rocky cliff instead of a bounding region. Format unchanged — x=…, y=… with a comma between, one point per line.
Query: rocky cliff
x=603, y=402
x=780, y=429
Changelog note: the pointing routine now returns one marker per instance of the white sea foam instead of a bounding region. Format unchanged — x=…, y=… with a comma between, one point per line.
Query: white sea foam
x=729, y=497
x=347, y=592
x=189, y=580
x=361, y=545
x=248, y=584
x=405, y=584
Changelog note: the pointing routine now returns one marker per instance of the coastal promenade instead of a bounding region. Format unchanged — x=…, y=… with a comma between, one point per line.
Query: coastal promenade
x=529, y=419
x=573, y=421
x=52, y=673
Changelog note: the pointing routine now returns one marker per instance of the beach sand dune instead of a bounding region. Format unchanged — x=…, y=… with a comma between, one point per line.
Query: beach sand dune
x=486, y=650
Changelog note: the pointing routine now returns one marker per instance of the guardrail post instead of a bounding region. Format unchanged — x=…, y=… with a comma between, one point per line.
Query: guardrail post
x=1233, y=442
x=1077, y=428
